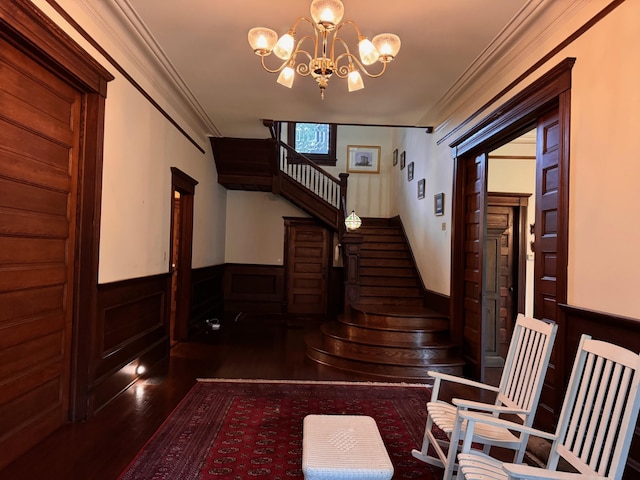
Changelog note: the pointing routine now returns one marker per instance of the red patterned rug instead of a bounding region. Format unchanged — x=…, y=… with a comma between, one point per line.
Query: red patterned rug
x=226, y=429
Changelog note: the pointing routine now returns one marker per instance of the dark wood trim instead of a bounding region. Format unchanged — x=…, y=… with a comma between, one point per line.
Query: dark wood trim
x=31, y=31
x=512, y=157
x=63, y=13
x=539, y=64
x=521, y=110
x=254, y=288
x=26, y=27
x=131, y=330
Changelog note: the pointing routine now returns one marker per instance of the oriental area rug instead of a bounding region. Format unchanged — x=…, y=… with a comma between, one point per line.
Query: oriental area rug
x=252, y=429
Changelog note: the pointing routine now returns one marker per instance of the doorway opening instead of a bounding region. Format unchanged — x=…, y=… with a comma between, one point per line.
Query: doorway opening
x=508, y=257
x=182, y=196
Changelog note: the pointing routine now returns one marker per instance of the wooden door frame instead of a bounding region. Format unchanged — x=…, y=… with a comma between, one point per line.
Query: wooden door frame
x=516, y=116
x=24, y=26
x=185, y=185
x=519, y=202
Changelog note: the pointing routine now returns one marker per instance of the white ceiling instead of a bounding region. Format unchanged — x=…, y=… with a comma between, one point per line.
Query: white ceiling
x=442, y=41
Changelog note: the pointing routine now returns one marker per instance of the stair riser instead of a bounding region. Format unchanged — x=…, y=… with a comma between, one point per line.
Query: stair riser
x=385, y=371
x=391, y=337
x=386, y=271
x=416, y=302
x=423, y=356
x=408, y=323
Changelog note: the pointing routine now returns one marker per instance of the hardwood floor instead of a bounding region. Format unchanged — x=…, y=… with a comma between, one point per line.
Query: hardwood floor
x=99, y=449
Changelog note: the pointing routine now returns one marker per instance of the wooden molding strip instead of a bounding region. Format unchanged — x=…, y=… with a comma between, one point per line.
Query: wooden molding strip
x=122, y=71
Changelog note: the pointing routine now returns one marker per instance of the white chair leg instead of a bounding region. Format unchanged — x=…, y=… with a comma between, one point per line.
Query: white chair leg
x=422, y=453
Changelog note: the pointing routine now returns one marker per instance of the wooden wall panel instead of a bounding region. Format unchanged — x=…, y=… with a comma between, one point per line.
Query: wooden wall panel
x=621, y=331
x=254, y=288
x=131, y=331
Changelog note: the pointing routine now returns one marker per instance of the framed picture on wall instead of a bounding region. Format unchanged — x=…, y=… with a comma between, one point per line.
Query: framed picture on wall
x=403, y=160
x=363, y=159
x=410, y=171
x=395, y=157
x=421, y=189
x=438, y=204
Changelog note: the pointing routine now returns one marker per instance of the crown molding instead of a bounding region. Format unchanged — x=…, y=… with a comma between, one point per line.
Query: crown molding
x=532, y=28
x=141, y=56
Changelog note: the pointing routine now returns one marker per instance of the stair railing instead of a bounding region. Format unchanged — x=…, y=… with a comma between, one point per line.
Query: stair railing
x=310, y=175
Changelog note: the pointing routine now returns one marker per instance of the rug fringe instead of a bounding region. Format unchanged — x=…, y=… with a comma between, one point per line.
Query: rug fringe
x=320, y=382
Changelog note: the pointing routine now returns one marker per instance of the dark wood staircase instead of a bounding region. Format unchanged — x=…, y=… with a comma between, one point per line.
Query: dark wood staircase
x=386, y=331
x=388, y=275
x=387, y=342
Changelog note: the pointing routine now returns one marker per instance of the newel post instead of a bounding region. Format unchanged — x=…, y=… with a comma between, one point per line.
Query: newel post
x=351, y=244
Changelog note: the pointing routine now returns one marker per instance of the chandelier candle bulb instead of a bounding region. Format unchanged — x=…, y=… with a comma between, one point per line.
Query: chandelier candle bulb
x=324, y=52
x=388, y=45
x=327, y=13
x=368, y=52
x=355, y=81
x=284, y=47
x=262, y=40
x=286, y=77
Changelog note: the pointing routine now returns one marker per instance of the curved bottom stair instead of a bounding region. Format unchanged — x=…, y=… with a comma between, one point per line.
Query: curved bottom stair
x=389, y=342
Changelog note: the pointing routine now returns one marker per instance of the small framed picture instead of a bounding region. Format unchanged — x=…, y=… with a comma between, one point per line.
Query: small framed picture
x=421, y=189
x=363, y=159
x=410, y=171
x=438, y=204
x=403, y=160
x=395, y=157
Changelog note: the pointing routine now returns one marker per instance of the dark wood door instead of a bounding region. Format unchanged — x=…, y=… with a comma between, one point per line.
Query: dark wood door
x=307, y=264
x=39, y=138
x=546, y=265
x=474, y=233
x=499, y=282
x=546, y=226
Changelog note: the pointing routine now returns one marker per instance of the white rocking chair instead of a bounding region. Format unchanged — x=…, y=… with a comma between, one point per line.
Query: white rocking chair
x=518, y=394
x=595, y=427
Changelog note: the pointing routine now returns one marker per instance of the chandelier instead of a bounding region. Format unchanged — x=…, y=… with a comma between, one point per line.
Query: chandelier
x=331, y=52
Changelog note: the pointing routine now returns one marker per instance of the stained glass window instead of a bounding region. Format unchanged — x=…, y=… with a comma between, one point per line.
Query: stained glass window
x=316, y=141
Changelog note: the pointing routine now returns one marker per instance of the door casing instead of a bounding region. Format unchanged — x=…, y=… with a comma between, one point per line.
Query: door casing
x=550, y=93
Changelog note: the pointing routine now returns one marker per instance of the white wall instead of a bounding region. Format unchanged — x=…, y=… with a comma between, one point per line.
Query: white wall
x=428, y=234
x=603, y=231
x=140, y=147
x=255, y=227
x=368, y=193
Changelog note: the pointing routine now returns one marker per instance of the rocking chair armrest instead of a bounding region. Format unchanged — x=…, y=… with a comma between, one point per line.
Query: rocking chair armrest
x=475, y=417
x=487, y=407
x=438, y=376
x=517, y=470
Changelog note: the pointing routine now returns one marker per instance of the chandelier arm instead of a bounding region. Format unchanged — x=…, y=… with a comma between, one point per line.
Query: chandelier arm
x=303, y=68
x=340, y=70
x=276, y=70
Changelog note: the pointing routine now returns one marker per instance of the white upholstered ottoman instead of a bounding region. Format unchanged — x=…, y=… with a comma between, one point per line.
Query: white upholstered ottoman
x=343, y=447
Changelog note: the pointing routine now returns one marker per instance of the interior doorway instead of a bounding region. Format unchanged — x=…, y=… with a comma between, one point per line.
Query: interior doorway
x=182, y=197
x=508, y=260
